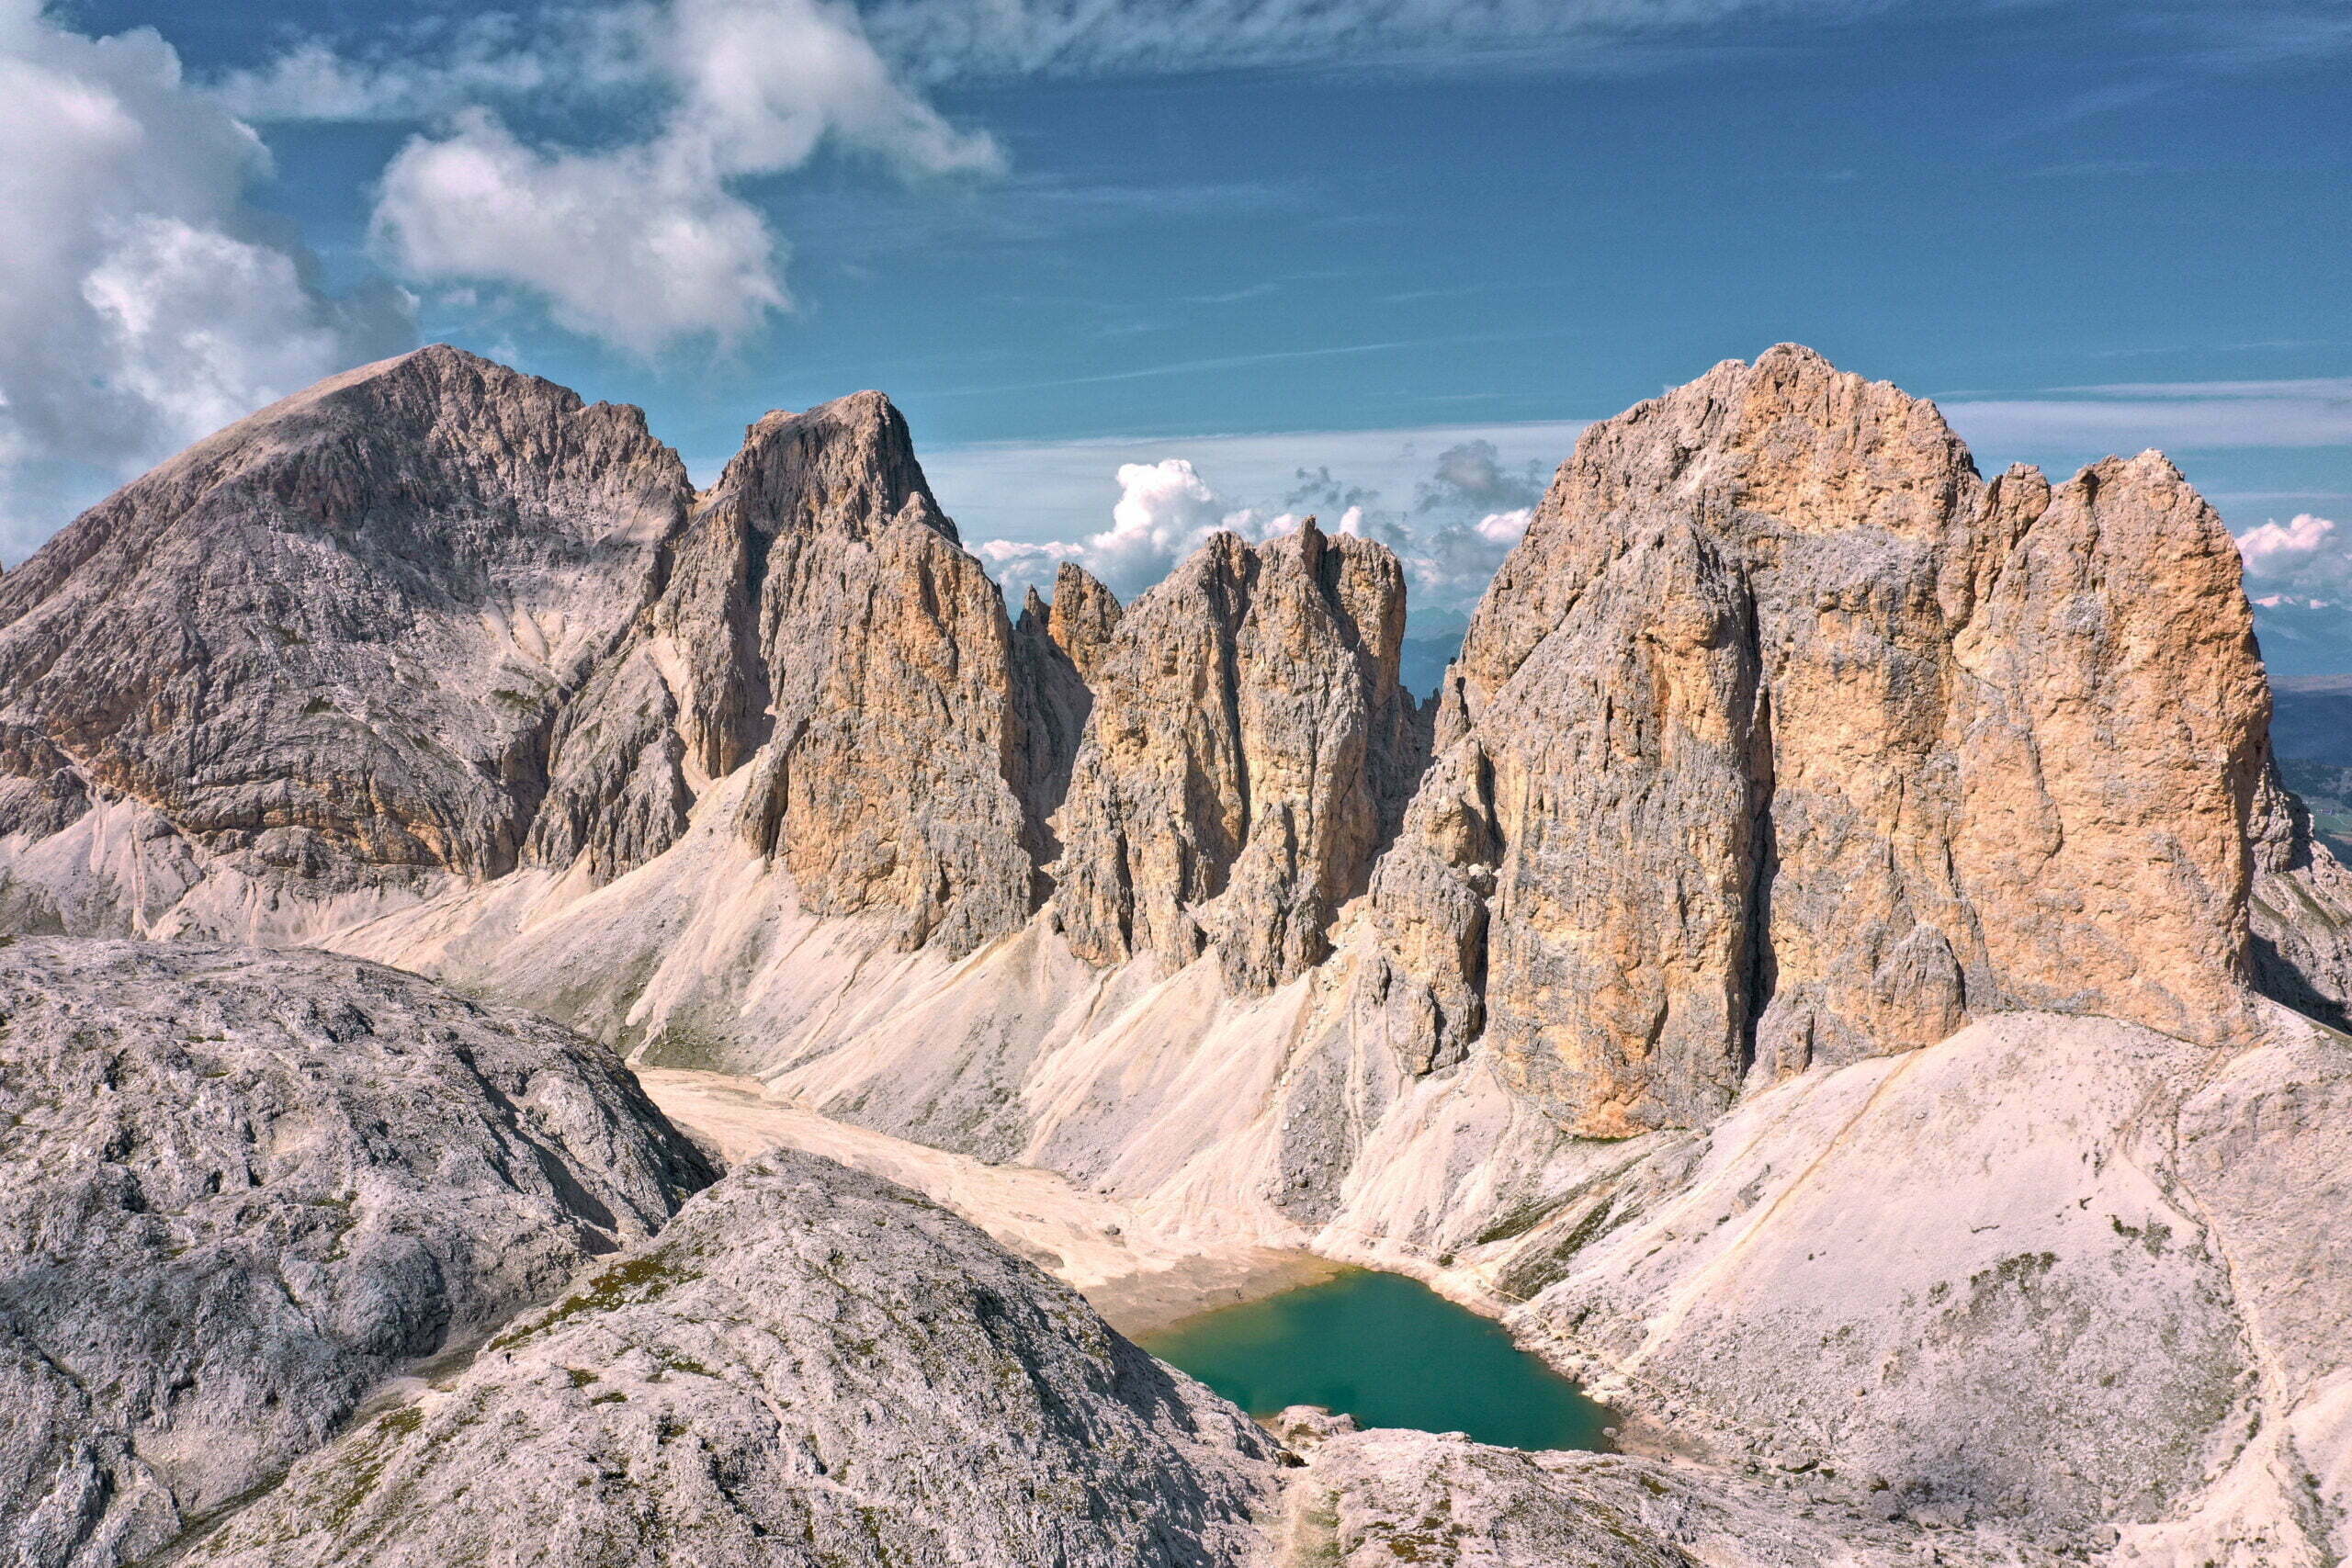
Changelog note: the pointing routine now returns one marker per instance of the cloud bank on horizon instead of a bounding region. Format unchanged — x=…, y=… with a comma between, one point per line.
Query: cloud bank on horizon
x=1472, y=502
x=1451, y=535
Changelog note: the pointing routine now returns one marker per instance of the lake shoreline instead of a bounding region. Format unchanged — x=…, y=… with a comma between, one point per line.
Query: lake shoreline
x=1143, y=1305
x=1144, y=1272
x=1388, y=1351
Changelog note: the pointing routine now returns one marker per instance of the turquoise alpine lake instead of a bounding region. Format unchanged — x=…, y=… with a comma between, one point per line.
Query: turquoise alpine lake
x=1390, y=1352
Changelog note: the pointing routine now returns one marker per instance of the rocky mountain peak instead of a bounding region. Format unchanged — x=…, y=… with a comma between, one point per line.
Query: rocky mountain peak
x=822, y=625
x=845, y=466
x=1249, y=751
x=1837, y=745
x=1783, y=736
x=1084, y=616
x=334, y=636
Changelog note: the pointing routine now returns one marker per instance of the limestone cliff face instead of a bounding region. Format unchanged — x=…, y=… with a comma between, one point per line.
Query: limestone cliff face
x=336, y=633
x=436, y=620
x=1783, y=736
x=1249, y=748
x=887, y=785
x=823, y=627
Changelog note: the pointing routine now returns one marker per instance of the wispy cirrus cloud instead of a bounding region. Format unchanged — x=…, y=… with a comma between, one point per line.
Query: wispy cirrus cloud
x=418, y=68
x=941, y=40
x=958, y=40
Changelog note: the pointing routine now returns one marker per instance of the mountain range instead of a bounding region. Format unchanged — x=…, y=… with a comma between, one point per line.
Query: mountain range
x=1835, y=965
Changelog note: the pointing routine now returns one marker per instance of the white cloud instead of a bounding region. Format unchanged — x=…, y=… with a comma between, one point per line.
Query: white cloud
x=1062, y=489
x=1473, y=494
x=1504, y=528
x=642, y=245
x=145, y=302
x=649, y=241
x=2305, y=561
x=1165, y=512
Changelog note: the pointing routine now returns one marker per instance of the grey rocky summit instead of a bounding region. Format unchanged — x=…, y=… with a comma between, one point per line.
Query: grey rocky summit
x=434, y=620
x=240, y=1189
x=808, y=1366
x=320, y=654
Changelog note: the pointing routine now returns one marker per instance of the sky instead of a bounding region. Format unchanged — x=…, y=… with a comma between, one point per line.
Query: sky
x=1137, y=270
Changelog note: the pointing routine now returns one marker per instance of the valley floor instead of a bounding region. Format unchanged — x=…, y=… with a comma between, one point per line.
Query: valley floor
x=1140, y=1271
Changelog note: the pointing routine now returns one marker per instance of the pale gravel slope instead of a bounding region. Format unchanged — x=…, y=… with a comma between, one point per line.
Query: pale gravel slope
x=2050, y=1276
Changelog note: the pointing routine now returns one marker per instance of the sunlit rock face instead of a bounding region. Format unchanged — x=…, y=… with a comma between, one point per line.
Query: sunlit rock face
x=1247, y=752
x=1783, y=737
x=822, y=626
x=1821, y=859
x=1786, y=737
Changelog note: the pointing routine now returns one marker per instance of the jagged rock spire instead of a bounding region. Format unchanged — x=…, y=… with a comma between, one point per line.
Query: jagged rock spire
x=1249, y=750
x=822, y=625
x=1054, y=650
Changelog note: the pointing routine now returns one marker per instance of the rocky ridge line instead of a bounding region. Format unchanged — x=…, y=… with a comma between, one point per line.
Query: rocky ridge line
x=807, y=1367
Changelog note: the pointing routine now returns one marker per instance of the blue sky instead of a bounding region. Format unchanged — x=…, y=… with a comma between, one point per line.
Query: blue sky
x=1073, y=237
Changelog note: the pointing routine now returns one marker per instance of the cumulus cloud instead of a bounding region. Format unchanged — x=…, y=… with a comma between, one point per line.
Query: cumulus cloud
x=2304, y=563
x=647, y=240
x=1449, y=540
x=642, y=245
x=146, y=302
x=1165, y=512
x=1472, y=475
